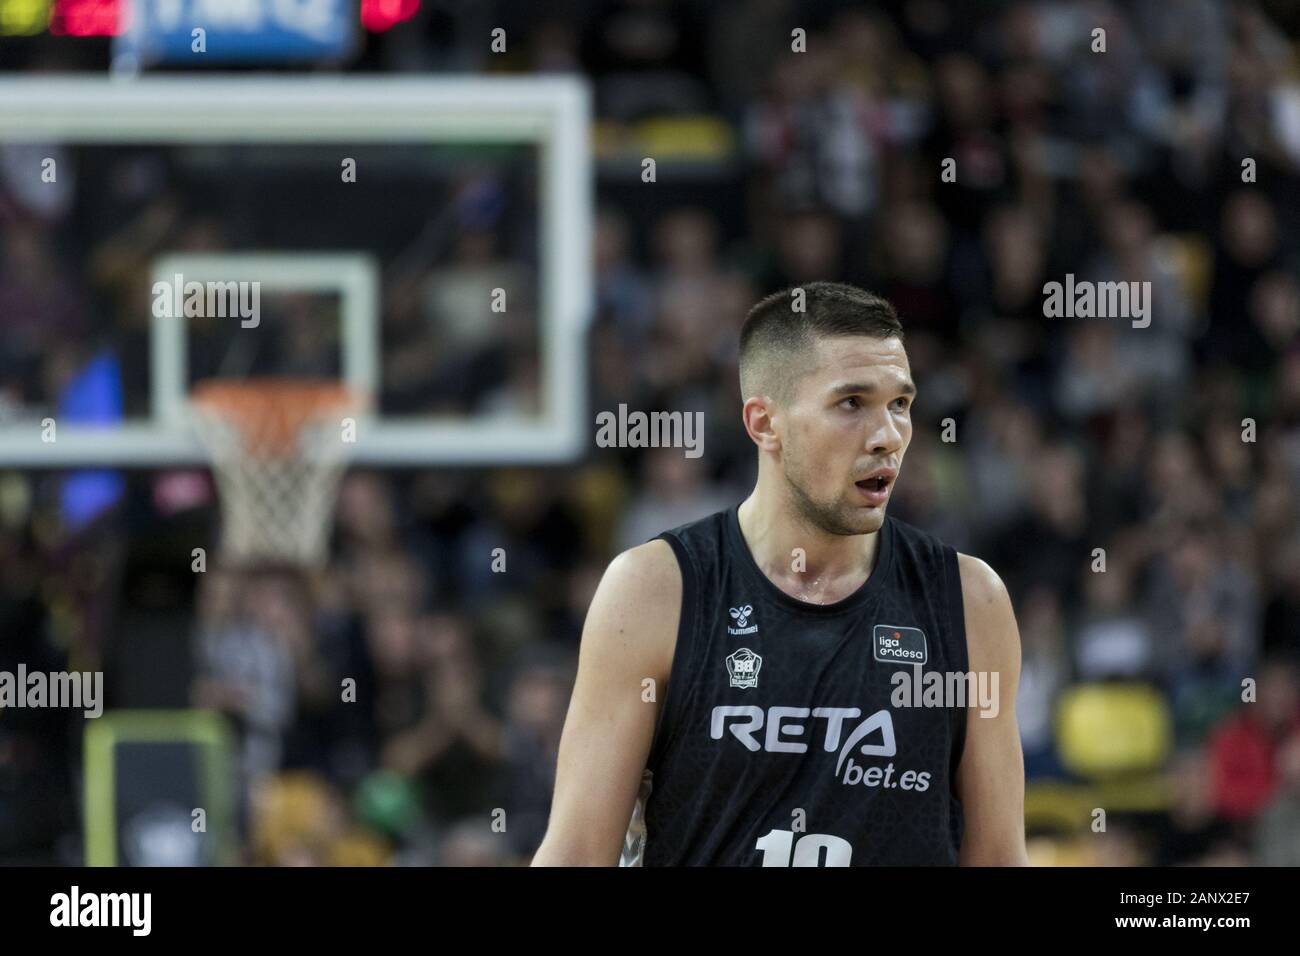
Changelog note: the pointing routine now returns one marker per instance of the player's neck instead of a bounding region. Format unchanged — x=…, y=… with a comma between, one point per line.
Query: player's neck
x=802, y=560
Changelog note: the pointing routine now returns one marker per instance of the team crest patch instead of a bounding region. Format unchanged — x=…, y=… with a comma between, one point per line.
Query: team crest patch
x=743, y=667
x=899, y=645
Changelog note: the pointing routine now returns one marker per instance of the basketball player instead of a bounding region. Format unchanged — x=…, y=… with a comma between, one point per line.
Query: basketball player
x=734, y=698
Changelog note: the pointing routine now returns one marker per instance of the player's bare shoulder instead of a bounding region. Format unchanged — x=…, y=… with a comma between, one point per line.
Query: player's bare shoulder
x=637, y=605
x=992, y=638
x=980, y=584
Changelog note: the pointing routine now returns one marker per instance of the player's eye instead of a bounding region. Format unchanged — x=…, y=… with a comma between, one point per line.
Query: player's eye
x=856, y=403
x=902, y=403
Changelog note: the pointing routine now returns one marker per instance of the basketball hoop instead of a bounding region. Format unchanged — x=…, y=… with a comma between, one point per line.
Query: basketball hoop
x=278, y=452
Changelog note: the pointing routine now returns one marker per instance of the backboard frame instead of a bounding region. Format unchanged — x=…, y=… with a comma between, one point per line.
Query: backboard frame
x=552, y=113
x=355, y=277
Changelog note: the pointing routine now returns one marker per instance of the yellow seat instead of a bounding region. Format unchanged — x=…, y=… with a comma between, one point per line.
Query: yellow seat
x=686, y=137
x=1106, y=730
x=1052, y=807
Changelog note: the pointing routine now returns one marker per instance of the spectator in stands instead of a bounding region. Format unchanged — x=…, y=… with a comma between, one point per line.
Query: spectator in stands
x=1244, y=749
x=1278, y=835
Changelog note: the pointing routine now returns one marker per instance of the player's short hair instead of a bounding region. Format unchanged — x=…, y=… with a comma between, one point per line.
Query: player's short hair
x=776, y=338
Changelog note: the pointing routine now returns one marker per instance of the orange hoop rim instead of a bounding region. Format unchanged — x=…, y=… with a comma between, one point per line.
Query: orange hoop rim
x=270, y=412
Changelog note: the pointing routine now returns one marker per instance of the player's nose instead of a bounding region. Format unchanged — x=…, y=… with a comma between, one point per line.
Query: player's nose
x=884, y=436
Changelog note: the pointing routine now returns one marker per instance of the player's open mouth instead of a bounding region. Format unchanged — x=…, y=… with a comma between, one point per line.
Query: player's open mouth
x=876, y=488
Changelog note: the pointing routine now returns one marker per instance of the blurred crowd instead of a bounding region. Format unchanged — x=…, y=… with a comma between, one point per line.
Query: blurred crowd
x=1138, y=489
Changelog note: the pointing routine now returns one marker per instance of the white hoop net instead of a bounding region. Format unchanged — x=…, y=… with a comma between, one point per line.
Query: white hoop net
x=278, y=453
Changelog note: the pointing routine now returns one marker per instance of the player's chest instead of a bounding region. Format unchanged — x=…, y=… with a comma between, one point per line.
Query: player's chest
x=770, y=654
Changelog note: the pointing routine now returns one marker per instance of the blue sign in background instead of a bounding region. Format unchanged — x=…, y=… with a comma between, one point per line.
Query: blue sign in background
x=161, y=31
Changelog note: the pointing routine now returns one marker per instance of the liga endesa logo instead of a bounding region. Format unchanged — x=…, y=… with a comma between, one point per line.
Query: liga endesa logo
x=782, y=734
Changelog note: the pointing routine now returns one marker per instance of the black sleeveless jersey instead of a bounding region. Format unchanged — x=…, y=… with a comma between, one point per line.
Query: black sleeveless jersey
x=784, y=737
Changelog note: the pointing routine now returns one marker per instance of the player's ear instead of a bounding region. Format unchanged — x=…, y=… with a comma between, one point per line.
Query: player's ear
x=759, y=415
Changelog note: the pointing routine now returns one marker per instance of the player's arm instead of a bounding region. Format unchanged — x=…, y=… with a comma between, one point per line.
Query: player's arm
x=629, y=636
x=991, y=775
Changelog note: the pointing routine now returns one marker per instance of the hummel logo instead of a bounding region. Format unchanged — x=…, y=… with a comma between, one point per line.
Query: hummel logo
x=741, y=616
